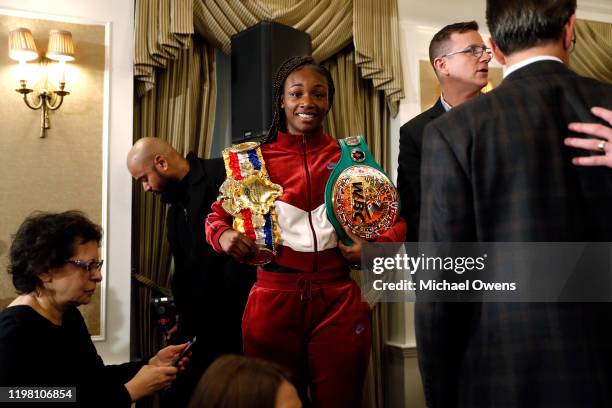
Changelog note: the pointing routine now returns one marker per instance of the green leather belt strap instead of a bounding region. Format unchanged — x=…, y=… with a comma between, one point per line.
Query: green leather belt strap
x=354, y=151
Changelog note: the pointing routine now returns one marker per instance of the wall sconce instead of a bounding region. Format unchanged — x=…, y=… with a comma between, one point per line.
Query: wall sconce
x=23, y=49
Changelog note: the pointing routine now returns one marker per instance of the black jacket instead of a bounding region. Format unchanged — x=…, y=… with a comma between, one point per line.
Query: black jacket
x=409, y=167
x=210, y=289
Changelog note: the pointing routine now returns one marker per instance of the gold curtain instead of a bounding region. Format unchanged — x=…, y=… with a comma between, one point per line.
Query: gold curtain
x=359, y=109
x=376, y=40
x=328, y=22
x=179, y=110
x=163, y=28
x=593, y=54
x=372, y=26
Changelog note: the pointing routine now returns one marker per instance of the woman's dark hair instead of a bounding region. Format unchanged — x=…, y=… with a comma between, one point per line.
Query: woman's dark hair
x=239, y=382
x=279, y=121
x=45, y=241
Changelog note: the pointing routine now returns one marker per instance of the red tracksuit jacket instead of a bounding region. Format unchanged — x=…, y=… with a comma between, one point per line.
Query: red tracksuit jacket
x=301, y=165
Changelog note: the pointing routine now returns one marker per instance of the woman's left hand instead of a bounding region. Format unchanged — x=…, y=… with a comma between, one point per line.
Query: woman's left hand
x=602, y=145
x=352, y=253
x=168, y=355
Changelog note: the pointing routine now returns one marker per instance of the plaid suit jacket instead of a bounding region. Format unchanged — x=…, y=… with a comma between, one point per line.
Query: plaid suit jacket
x=496, y=169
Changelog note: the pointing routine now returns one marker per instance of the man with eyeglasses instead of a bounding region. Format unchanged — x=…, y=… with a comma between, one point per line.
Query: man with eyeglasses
x=460, y=60
x=496, y=170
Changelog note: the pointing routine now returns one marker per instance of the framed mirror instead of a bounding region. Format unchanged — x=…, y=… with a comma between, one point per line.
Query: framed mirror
x=68, y=168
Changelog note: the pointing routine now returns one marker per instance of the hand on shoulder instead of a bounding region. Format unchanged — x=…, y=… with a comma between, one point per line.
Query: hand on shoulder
x=601, y=143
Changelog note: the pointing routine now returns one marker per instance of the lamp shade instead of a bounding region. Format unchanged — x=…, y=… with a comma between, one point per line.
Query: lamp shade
x=60, y=46
x=21, y=45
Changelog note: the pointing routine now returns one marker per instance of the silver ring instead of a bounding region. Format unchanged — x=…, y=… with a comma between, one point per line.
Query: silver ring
x=601, y=146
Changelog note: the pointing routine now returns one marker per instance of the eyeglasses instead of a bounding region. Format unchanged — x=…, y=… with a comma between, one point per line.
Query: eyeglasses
x=475, y=50
x=88, y=266
x=573, y=46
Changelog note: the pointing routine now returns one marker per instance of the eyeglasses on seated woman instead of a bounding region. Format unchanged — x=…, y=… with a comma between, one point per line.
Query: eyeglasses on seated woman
x=55, y=266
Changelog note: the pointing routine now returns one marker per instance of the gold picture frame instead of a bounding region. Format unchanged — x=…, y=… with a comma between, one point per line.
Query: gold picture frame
x=69, y=168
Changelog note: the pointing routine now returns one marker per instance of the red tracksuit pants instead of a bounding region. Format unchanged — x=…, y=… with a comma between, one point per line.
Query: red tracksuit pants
x=316, y=326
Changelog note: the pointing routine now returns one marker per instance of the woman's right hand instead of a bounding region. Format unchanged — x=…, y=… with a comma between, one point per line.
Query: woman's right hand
x=150, y=379
x=237, y=245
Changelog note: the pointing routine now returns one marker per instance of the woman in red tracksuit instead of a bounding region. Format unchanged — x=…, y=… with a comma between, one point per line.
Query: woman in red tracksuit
x=304, y=312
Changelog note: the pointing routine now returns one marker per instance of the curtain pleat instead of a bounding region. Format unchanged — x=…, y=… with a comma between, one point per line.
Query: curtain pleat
x=180, y=109
x=162, y=30
x=372, y=27
x=376, y=39
x=593, y=54
x=359, y=108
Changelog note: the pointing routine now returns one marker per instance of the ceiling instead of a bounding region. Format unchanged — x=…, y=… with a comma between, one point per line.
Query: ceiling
x=448, y=11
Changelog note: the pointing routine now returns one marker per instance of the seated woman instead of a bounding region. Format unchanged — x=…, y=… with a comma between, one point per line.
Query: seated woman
x=55, y=265
x=241, y=382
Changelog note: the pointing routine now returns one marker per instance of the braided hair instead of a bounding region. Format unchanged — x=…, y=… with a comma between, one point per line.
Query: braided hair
x=279, y=121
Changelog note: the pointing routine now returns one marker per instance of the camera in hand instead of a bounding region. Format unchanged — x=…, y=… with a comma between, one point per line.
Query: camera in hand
x=164, y=312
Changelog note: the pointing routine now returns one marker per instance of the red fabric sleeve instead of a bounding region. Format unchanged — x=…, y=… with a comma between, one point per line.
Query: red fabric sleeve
x=397, y=233
x=217, y=222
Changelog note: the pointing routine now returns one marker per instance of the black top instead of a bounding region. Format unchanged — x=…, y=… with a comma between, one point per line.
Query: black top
x=36, y=352
x=409, y=167
x=209, y=289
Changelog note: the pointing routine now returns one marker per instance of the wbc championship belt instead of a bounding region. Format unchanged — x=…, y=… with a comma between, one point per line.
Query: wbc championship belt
x=248, y=195
x=358, y=194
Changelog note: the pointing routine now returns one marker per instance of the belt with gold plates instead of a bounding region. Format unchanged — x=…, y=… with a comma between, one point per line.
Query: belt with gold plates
x=358, y=193
x=248, y=195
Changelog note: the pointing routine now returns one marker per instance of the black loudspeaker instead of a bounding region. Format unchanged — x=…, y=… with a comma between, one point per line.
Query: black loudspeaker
x=257, y=52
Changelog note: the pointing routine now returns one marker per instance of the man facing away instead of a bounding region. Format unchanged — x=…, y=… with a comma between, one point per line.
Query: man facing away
x=209, y=289
x=460, y=60
x=496, y=169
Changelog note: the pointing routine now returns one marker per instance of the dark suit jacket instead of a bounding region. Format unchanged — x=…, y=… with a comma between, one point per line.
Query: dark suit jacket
x=496, y=169
x=409, y=167
x=210, y=289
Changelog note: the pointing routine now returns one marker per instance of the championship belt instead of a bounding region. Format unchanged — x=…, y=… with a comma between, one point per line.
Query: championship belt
x=248, y=195
x=358, y=194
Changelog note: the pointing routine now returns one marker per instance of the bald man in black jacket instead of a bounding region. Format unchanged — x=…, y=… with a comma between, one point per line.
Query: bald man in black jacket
x=210, y=289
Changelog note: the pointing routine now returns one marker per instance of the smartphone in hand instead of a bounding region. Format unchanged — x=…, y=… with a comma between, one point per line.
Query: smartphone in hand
x=185, y=350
